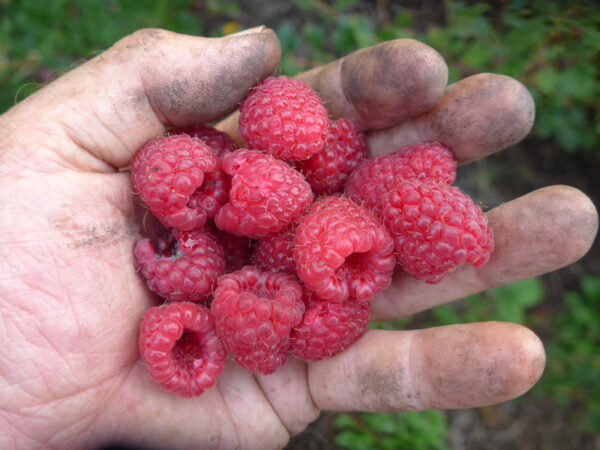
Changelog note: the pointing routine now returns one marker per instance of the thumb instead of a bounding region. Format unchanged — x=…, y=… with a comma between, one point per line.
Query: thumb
x=110, y=106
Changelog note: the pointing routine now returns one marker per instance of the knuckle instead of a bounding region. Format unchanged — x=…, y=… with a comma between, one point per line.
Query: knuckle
x=144, y=36
x=144, y=40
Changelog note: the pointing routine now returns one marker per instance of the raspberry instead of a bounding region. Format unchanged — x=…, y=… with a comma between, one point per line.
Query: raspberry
x=180, y=347
x=436, y=228
x=284, y=116
x=169, y=173
x=185, y=265
x=214, y=191
x=276, y=252
x=327, y=170
x=328, y=328
x=255, y=312
x=426, y=161
x=342, y=252
x=237, y=250
x=266, y=195
x=219, y=141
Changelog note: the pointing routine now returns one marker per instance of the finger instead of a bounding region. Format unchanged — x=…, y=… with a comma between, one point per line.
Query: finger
x=287, y=391
x=457, y=366
x=381, y=85
x=540, y=232
x=479, y=115
x=110, y=106
x=376, y=87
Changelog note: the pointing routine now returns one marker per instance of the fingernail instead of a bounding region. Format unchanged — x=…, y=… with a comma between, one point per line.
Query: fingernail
x=249, y=31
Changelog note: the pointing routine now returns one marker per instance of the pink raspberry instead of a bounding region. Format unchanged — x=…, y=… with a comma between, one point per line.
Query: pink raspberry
x=342, y=252
x=182, y=266
x=346, y=147
x=284, y=116
x=436, y=228
x=255, y=312
x=266, y=195
x=169, y=174
x=275, y=253
x=180, y=347
x=219, y=141
x=328, y=328
x=373, y=177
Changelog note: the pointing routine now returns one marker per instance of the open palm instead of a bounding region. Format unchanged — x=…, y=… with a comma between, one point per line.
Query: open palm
x=71, y=301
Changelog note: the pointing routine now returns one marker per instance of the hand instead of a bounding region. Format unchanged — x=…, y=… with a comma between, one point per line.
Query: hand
x=72, y=301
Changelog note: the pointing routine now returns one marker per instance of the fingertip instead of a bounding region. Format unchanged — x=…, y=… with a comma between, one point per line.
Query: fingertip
x=491, y=111
x=530, y=346
x=479, y=364
x=382, y=85
x=218, y=74
x=475, y=117
x=398, y=79
x=512, y=101
x=581, y=212
x=542, y=231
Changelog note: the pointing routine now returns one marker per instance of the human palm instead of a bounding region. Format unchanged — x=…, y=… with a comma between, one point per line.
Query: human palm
x=71, y=301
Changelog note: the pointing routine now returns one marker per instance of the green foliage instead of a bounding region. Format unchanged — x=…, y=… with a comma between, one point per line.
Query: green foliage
x=551, y=47
x=423, y=430
x=507, y=303
x=40, y=40
x=572, y=375
x=390, y=325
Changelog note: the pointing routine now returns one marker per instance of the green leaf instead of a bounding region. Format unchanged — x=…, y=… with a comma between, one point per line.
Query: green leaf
x=590, y=286
x=513, y=300
x=350, y=440
x=288, y=36
x=344, y=421
x=446, y=315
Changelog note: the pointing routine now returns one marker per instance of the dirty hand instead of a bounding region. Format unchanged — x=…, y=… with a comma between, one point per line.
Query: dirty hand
x=71, y=301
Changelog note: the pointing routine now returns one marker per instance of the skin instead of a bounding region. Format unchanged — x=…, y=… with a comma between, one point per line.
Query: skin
x=71, y=301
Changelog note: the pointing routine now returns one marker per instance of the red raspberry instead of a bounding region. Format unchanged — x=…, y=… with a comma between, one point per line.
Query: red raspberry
x=436, y=228
x=327, y=170
x=214, y=191
x=266, y=195
x=168, y=173
x=180, y=347
x=276, y=252
x=426, y=161
x=328, y=328
x=342, y=252
x=219, y=141
x=237, y=250
x=255, y=312
x=184, y=266
x=284, y=116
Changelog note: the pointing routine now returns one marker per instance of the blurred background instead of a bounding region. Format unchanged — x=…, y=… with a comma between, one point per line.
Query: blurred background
x=552, y=47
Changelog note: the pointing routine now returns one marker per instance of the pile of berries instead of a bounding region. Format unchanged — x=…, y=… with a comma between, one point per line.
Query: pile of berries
x=277, y=249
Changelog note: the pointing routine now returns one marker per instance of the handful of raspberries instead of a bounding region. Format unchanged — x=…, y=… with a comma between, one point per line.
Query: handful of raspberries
x=278, y=248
